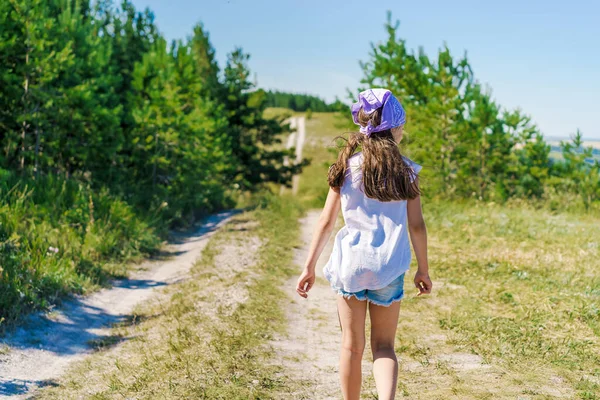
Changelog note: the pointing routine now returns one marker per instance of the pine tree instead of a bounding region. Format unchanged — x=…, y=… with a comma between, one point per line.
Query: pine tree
x=132, y=35
x=442, y=116
x=578, y=172
x=157, y=116
x=84, y=117
x=33, y=61
x=205, y=153
x=526, y=170
x=11, y=80
x=206, y=66
x=252, y=136
x=483, y=141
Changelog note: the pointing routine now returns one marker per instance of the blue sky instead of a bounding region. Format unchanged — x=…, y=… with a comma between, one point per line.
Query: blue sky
x=541, y=56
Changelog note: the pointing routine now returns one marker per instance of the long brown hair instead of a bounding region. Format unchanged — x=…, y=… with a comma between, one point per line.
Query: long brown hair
x=385, y=174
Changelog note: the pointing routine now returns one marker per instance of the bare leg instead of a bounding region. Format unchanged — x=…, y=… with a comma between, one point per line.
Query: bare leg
x=384, y=321
x=352, y=314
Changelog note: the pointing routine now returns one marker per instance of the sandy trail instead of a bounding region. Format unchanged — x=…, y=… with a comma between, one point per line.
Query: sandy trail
x=310, y=351
x=39, y=352
x=300, y=138
x=296, y=139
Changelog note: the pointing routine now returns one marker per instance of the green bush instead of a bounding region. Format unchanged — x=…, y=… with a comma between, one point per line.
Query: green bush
x=59, y=237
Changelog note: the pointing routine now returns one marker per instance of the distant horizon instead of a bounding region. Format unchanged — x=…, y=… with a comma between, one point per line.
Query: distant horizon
x=585, y=139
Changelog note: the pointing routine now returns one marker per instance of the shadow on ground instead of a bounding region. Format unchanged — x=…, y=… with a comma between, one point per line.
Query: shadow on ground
x=20, y=386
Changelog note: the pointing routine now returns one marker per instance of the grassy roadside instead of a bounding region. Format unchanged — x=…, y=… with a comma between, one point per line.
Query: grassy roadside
x=194, y=342
x=531, y=289
x=514, y=313
x=59, y=237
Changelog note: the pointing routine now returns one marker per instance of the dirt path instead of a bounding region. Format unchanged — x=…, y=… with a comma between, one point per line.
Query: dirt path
x=296, y=139
x=309, y=353
x=300, y=138
x=39, y=352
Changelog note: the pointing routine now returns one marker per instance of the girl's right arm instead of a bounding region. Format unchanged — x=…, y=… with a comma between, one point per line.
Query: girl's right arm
x=418, y=237
x=320, y=238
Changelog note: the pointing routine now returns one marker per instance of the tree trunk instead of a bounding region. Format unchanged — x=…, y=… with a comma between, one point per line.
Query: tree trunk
x=155, y=160
x=25, y=99
x=37, y=152
x=482, y=166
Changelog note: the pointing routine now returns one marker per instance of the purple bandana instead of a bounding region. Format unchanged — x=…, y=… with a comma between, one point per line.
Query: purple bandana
x=393, y=114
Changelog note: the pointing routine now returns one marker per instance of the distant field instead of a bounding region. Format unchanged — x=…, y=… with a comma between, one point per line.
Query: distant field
x=556, y=151
x=277, y=111
x=595, y=143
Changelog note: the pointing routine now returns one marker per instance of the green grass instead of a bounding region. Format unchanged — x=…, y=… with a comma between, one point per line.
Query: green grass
x=187, y=346
x=59, y=237
x=532, y=287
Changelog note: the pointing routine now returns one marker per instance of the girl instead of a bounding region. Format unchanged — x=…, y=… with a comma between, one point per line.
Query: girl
x=378, y=192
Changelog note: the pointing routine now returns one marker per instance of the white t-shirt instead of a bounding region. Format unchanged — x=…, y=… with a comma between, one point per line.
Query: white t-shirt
x=373, y=248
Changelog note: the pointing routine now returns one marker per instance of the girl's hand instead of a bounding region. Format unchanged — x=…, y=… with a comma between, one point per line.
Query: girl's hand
x=423, y=283
x=305, y=282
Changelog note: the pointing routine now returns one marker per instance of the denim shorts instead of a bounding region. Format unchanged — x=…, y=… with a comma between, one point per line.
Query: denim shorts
x=381, y=297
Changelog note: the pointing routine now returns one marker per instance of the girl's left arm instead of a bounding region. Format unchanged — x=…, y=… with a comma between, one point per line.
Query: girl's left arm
x=319, y=240
x=418, y=237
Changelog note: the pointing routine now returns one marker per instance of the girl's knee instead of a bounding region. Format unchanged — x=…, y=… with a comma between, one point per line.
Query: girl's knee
x=356, y=349
x=354, y=345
